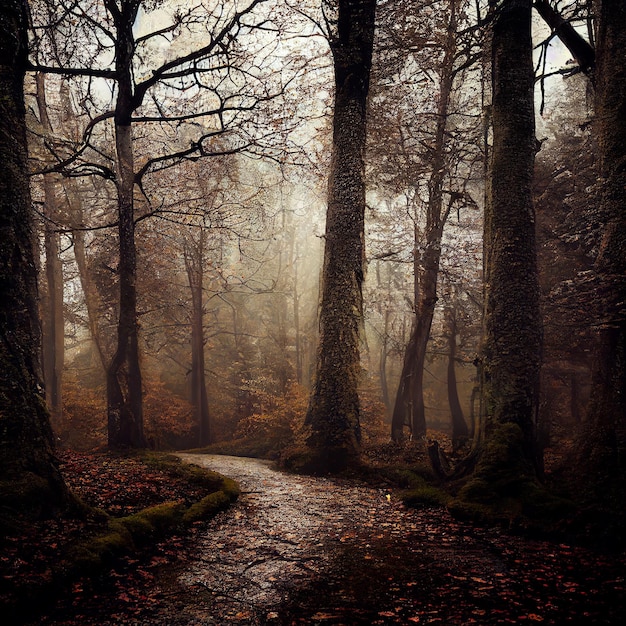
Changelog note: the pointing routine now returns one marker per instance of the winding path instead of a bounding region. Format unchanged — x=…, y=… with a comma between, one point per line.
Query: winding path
x=302, y=550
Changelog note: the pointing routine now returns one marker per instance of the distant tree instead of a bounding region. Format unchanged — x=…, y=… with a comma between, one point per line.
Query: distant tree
x=333, y=413
x=53, y=321
x=459, y=425
x=30, y=482
x=144, y=87
x=409, y=408
x=194, y=253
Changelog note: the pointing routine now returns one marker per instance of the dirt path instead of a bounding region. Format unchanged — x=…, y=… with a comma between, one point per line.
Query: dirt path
x=303, y=550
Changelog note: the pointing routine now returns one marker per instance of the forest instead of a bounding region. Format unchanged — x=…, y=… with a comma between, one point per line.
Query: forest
x=312, y=312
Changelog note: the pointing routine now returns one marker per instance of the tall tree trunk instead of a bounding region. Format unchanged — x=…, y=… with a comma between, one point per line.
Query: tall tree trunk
x=124, y=387
x=382, y=366
x=459, y=426
x=409, y=406
x=76, y=221
x=53, y=320
x=194, y=254
x=333, y=413
x=604, y=444
x=30, y=483
x=86, y=281
x=511, y=351
x=296, y=318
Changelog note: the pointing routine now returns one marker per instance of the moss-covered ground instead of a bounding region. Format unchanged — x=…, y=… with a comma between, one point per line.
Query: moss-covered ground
x=124, y=505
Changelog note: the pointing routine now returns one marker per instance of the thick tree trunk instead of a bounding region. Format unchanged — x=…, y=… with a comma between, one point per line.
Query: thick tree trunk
x=603, y=447
x=30, y=483
x=512, y=341
x=333, y=413
x=52, y=309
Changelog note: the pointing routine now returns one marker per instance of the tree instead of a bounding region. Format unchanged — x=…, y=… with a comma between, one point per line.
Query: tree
x=409, y=406
x=52, y=309
x=511, y=351
x=333, y=412
x=29, y=480
x=604, y=443
x=143, y=92
x=427, y=156
x=194, y=264
x=581, y=50
x=459, y=425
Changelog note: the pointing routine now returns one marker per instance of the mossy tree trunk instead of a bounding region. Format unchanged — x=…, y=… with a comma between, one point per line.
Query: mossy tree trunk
x=512, y=323
x=603, y=448
x=333, y=413
x=29, y=480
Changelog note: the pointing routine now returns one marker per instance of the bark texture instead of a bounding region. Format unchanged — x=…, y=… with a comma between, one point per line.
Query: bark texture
x=604, y=444
x=333, y=413
x=29, y=480
x=124, y=386
x=512, y=334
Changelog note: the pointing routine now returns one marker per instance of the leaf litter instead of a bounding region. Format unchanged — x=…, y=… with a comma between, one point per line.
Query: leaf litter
x=302, y=550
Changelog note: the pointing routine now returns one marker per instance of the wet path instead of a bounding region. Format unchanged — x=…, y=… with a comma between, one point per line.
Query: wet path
x=301, y=550
x=277, y=539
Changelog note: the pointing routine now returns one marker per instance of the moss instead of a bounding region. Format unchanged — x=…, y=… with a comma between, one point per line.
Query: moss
x=230, y=488
x=504, y=487
x=207, y=507
x=502, y=469
x=153, y=521
x=408, y=477
x=101, y=550
x=211, y=481
x=138, y=526
x=27, y=496
x=425, y=495
x=416, y=484
x=539, y=502
x=320, y=461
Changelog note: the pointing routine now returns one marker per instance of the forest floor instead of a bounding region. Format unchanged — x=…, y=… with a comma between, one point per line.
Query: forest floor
x=305, y=550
